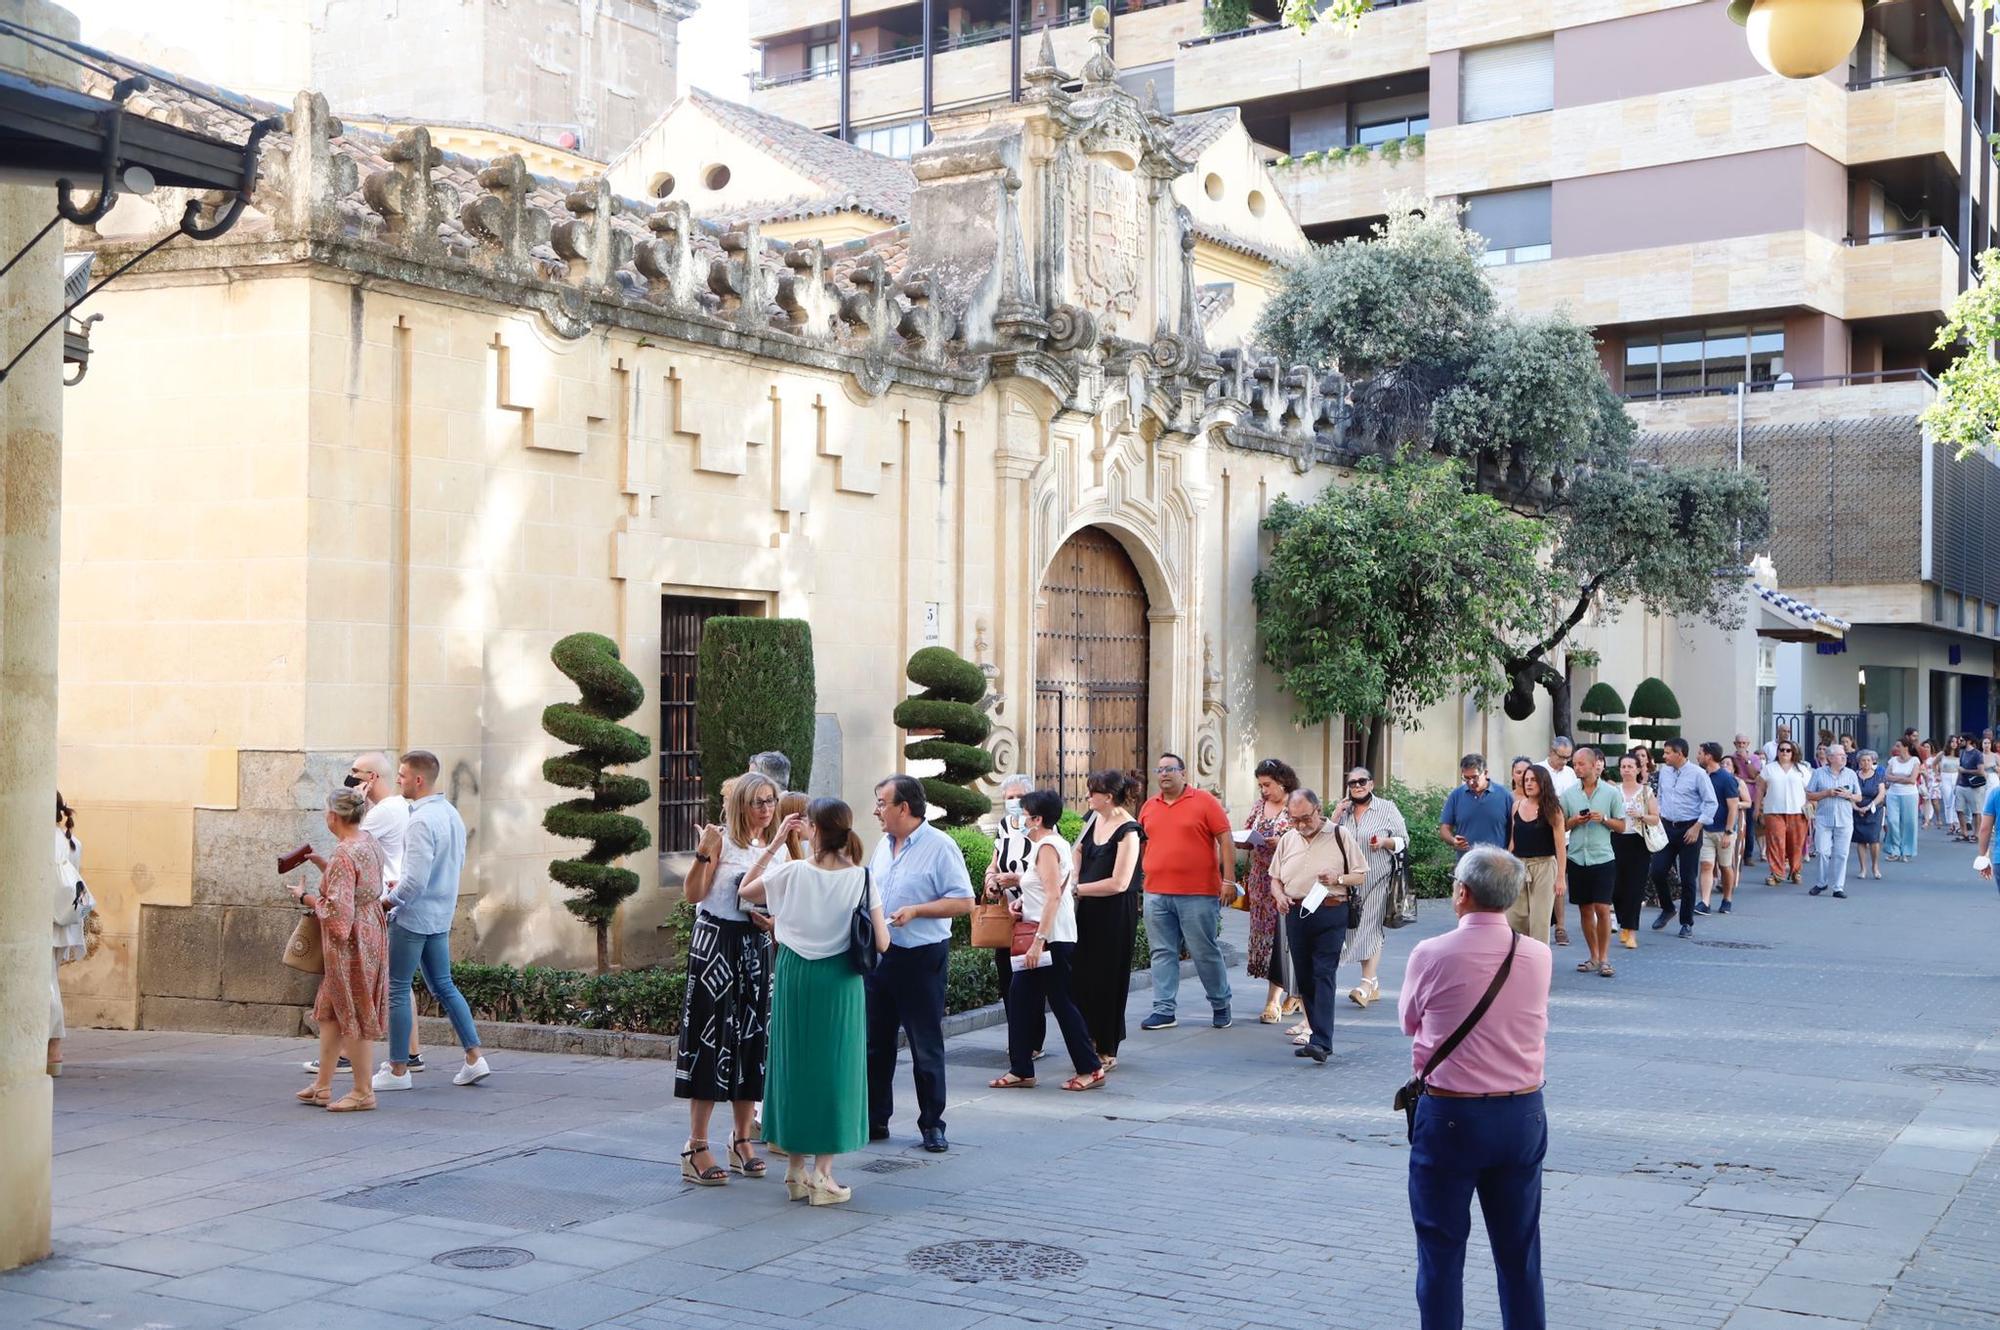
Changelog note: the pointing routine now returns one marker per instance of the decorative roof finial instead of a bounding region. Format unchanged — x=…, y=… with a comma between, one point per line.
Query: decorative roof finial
x=1099, y=72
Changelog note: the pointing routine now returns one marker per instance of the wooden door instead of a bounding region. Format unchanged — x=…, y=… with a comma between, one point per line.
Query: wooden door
x=1092, y=655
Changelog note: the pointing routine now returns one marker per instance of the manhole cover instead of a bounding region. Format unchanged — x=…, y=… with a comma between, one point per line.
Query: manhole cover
x=978, y=1259
x=890, y=1165
x=483, y=1258
x=1731, y=946
x=1951, y=1075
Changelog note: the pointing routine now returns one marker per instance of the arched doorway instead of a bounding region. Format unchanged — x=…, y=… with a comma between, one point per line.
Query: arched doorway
x=1092, y=659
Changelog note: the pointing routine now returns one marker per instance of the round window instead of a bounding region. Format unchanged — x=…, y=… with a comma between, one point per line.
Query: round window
x=1256, y=203
x=1212, y=185
x=662, y=186
x=715, y=177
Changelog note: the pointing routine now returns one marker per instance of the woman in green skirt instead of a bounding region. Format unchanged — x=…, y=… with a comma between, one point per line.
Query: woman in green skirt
x=816, y=1091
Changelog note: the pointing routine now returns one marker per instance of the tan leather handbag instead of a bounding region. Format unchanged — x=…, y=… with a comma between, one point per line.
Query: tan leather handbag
x=302, y=950
x=992, y=926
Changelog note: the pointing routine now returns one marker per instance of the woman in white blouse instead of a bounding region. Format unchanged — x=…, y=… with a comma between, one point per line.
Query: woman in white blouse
x=73, y=904
x=1784, y=803
x=816, y=1092
x=1048, y=928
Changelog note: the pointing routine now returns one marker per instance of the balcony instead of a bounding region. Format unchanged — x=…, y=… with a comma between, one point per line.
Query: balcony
x=1344, y=185
x=1882, y=393
x=1274, y=60
x=774, y=18
x=1900, y=272
x=1904, y=115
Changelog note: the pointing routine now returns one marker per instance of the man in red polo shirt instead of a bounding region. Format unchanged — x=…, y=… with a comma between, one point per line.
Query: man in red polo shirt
x=1190, y=865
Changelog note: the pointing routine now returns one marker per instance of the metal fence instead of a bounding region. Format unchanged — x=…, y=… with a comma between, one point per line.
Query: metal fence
x=1806, y=727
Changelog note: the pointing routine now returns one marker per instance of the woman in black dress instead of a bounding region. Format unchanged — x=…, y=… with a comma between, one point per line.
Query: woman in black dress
x=1109, y=890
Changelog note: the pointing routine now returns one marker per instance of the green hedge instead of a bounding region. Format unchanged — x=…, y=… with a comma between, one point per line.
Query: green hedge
x=635, y=1001
x=1431, y=860
x=757, y=695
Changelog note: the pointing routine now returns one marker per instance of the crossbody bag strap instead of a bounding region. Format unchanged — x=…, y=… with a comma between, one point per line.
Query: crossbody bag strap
x=1450, y=1046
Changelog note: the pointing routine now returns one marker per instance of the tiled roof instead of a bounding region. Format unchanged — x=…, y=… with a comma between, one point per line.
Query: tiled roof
x=1799, y=612
x=1228, y=239
x=1192, y=134
x=875, y=184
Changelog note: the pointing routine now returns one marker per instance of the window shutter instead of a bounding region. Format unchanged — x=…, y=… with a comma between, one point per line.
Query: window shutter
x=1515, y=79
x=1510, y=218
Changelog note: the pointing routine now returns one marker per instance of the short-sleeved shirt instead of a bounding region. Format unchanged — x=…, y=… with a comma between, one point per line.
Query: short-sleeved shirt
x=1590, y=843
x=1727, y=787
x=388, y=821
x=1179, y=856
x=1480, y=818
x=927, y=866
x=812, y=908
x=1835, y=813
x=1564, y=780
x=1992, y=808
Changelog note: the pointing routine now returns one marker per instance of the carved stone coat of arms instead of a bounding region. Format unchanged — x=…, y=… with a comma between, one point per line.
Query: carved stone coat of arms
x=1106, y=219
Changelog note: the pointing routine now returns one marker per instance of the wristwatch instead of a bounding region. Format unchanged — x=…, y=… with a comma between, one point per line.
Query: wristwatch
x=701, y=858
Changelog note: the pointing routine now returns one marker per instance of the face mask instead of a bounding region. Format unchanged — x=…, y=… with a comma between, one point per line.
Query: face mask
x=1361, y=800
x=351, y=781
x=1014, y=810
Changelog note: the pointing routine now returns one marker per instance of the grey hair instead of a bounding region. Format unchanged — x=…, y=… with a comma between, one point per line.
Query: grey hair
x=1868, y=753
x=1491, y=876
x=1310, y=796
x=1020, y=780
x=1560, y=742
x=346, y=804
x=776, y=766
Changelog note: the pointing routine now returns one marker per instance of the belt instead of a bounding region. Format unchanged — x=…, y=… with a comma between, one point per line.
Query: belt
x=1497, y=1094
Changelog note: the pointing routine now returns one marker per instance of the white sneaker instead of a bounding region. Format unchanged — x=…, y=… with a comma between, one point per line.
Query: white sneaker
x=471, y=1073
x=385, y=1079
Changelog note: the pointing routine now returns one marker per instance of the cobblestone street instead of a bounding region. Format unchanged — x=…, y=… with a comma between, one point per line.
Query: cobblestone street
x=1788, y=1124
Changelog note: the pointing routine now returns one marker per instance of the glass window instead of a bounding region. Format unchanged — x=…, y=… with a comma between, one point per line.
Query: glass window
x=822, y=57
x=1680, y=361
x=1642, y=364
x=1694, y=359
x=891, y=140
x=1725, y=352
x=1517, y=78
x=1767, y=354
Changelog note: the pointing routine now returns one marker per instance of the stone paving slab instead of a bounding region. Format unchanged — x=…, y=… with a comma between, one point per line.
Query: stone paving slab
x=1801, y=1133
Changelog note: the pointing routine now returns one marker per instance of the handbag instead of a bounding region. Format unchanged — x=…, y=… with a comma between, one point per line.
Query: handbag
x=1655, y=836
x=1415, y=1088
x=861, y=952
x=1401, y=910
x=992, y=925
x=303, y=950
x=1023, y=937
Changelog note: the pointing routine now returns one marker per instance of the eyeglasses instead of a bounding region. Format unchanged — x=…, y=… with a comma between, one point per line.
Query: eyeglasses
x=765, y=802
x=1167, y=771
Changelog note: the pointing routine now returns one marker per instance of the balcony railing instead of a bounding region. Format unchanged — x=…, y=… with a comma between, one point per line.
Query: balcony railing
x=1786, y=384
x=1909, y=233
x=1907, y=76
x=1209, y=39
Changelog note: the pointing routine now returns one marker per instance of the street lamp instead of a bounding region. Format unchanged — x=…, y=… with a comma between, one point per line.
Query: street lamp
x=1800, y=39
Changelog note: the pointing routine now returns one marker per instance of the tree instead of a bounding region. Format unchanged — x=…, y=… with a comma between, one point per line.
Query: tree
x=1303, y=14
x=953, y=687
x=1434, y=366
x=1655, y=701
x=1383, y=597
x=755, y=695
x=1602, y=710
x=1968, y=401
x=610, y=693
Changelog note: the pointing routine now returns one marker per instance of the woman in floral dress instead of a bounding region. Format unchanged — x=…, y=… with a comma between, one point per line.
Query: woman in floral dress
x=1270, y=960
x=353, y=999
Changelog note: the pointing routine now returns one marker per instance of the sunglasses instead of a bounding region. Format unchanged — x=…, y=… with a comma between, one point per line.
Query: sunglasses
x=1360, y=781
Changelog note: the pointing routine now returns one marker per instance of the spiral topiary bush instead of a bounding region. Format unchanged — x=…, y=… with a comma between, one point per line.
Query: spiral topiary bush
x=948, y=705
x=610, y=693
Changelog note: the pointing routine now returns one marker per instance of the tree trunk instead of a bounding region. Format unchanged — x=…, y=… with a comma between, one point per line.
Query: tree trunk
x=604, y=947
x=1536, y=672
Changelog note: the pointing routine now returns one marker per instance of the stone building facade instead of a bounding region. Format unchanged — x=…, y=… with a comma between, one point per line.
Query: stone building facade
x=340, y=481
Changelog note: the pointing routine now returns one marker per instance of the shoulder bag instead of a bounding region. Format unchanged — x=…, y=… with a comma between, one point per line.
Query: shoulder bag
x=861, y=952
x=302, y=949
x=1414, y=1088
x=1653, y=833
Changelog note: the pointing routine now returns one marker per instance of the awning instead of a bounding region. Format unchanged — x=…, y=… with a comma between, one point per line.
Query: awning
x=1789, y=619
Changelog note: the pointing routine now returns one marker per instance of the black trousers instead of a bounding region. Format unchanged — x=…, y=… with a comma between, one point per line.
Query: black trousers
x=1688, y=856
x=1026, y=1027
x=1316, y=939
x=1634, y=861
x=907, y=994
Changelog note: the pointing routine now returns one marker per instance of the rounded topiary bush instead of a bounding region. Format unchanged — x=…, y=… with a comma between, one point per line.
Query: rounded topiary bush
x=610, y=693
x=1656, y=702
x=948, y=706
x=1602, y=713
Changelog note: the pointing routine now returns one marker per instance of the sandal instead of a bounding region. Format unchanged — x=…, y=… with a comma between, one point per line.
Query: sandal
x=316, y=1097
x=749, y=1166
x=1300, y=1028
x=1110, y=1063
x=1301, y=1040
x=1270, y=1016
x=352, y=1103
x=1586, y=967
x=1011, y=1082
x=1562, y=936
x=1090, y=1082
x=1771, y=881
x=1606, y=970
x=715, y=1175
x=1293, y=1006
x=1365, y=992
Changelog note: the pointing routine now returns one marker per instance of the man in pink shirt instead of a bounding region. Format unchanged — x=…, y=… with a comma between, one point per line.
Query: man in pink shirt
x=1480, y=1126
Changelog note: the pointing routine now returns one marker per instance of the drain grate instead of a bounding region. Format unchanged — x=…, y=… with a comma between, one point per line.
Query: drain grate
x=977, y=1259
x=545, y=1189
x=1731, y=946
x=483, y=1258
x=1951, y=1075
x=891, y=1165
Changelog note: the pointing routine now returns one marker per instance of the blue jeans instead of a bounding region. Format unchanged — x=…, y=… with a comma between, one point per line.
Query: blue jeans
x=1899, y=825
x=432, y=952
x=1174, y=921
x=1493, y=1147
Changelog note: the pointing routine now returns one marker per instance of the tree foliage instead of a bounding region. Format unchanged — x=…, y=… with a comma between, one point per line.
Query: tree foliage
x=757, y=694
x=610, y=693
x=1383, y=597
x=949, y=704
x=1968, y=401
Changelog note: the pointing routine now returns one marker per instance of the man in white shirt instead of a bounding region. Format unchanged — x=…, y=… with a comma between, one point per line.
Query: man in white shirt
x=1561, y=774
x=387, y=820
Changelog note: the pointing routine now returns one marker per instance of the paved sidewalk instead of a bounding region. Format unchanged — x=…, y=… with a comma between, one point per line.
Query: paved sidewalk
x=1788, y=1124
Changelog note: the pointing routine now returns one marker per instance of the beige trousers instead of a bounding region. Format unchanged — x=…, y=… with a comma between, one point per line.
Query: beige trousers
x=1532, y=909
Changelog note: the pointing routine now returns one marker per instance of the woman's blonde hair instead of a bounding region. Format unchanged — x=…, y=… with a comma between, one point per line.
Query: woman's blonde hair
x=347, y=805
x=736, y=805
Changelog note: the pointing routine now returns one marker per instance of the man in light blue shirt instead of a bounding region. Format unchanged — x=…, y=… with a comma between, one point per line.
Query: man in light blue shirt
x=918, y=873
x=1687, y=802
x=421, y=909
x=1832, y=791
